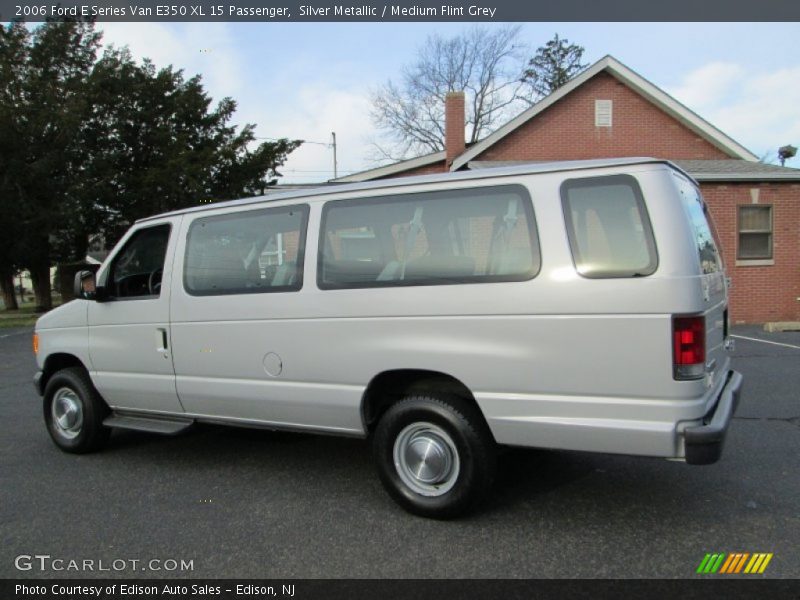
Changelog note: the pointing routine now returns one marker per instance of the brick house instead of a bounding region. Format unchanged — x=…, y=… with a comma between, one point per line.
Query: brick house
x=610, y=111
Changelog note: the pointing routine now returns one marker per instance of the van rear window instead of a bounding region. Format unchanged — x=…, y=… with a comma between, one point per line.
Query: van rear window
x=608, y=227
x=710, y=261
x=457, y=236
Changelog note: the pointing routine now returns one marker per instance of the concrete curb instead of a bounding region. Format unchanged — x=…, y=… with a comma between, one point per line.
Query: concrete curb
x=782, y=326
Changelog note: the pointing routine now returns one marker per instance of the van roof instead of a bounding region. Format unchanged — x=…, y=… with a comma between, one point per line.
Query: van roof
x=525, y=169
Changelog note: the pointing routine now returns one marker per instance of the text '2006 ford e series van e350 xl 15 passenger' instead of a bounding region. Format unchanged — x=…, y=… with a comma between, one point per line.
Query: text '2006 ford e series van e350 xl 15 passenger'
x=578, y=305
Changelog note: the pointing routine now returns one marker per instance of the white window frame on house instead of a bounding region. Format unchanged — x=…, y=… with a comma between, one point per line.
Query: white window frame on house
x=769, y=232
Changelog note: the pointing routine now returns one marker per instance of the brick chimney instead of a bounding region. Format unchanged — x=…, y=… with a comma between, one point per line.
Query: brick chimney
x=454, y=141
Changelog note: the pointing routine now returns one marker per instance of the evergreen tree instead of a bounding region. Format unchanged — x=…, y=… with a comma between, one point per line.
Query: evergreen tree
x=553, y=65
x=88, y=146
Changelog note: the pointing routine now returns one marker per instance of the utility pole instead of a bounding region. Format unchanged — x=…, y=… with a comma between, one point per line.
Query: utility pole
x=333, y=135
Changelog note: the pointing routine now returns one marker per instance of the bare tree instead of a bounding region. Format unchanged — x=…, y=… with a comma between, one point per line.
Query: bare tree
x=484, y=63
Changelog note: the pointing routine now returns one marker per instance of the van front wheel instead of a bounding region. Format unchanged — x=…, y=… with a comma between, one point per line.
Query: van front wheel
x=435, y=455
x=74, y=412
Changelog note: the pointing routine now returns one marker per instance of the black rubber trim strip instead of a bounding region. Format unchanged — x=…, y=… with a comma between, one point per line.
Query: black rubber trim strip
x=37, y=382
x=704, y=442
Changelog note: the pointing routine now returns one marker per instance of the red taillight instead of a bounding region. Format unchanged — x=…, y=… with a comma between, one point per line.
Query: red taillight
x=688, y=347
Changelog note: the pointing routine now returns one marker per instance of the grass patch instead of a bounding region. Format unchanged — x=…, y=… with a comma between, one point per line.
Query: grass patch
x=25, y=316
x=28, y=308
x=18, y=321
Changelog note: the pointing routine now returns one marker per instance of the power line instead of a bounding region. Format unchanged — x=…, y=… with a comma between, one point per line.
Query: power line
x=271, y=139
x=312, y=170
x=331, y=145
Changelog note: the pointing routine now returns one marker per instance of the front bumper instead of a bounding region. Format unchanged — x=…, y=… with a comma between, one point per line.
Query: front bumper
x=704, y=442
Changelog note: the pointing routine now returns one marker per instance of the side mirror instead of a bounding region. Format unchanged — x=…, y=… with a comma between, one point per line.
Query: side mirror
x=85, y=286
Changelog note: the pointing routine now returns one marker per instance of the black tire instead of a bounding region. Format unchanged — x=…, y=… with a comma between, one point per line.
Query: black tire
x=72, y=387
x=451, y=423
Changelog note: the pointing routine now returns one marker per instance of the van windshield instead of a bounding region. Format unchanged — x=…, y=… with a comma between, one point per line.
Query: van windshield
x=710, y=260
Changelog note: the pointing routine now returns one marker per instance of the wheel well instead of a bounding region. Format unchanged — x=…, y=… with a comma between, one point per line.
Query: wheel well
x=56, y=362
x=390, y=386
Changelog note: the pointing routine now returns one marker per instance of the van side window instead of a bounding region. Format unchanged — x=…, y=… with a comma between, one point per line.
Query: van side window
x=710, y=261
x=137, y=269
x=246, y=252
x=608, y=227
x=456, y=236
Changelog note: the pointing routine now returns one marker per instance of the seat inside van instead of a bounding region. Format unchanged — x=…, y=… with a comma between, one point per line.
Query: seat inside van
x=220, y=270
x=284, y=275
x=438, y=267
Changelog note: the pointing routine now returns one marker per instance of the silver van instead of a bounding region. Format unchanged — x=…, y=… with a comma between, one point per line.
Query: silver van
x=576, y=305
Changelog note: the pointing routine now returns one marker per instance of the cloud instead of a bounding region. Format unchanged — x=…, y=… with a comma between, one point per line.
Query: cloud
x=275, y=98
x=285, y=86
x=709, y=84
x=205, y=48
x=312, y=114
x=760, y=110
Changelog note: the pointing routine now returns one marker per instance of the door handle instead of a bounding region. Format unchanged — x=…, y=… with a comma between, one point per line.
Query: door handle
x=161, y=341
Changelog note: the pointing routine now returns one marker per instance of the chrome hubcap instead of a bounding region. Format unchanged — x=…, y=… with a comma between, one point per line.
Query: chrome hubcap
x=67, y=412
x=426, y=459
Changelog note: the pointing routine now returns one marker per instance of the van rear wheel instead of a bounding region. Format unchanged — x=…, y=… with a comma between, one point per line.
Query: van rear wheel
x=435, y=455
x=74, y=412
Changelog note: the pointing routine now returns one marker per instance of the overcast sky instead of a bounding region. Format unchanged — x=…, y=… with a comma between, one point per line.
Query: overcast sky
x=305, y=80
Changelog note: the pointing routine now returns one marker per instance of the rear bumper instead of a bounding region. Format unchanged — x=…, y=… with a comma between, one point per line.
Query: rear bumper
x=704, y=442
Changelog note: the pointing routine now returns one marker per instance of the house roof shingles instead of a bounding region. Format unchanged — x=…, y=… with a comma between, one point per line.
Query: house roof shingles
x=702, y=170
x=732, y=170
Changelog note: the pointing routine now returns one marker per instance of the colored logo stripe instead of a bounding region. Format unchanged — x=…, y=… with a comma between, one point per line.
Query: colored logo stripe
x=727, y=565
x=710, y=563
x=758, y=563
x=735, y=563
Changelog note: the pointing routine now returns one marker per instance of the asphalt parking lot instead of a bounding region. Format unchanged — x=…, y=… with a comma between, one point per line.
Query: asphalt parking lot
x=259, y=504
